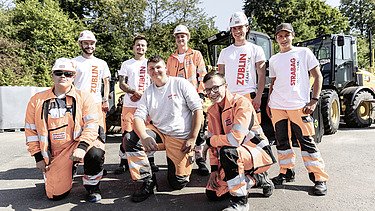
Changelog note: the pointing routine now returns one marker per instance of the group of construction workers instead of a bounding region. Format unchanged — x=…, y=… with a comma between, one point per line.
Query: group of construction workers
x=163, y=110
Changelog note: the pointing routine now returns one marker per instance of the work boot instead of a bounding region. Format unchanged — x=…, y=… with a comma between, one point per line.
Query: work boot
x=238, y=204
x=282, y=178
x=145, y=191
x=202, y=168
x=154, y=167
x=320, y=188
x=122, y=167
x=263, y=181
x=93, y=193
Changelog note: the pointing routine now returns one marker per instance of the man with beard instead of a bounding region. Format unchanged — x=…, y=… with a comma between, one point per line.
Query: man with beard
x=133, y=80
x=91, y=71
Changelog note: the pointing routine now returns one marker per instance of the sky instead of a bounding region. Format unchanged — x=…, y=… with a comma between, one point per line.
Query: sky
x=223, y=9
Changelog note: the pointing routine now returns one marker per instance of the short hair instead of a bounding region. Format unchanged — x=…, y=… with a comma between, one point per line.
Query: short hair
x=155, y=59
x=212, y=74
x=139, y=37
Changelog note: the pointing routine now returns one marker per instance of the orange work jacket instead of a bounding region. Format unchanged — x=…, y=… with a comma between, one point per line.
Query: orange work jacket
x=193, y=68
x=235, y=126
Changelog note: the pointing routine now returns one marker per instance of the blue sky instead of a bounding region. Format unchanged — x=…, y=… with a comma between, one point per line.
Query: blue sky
x=223, y=9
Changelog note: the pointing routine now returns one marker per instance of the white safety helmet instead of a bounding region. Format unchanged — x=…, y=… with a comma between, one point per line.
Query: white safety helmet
x=86, y=35
x=181, y=29
x=238, y=19
x=65, y=64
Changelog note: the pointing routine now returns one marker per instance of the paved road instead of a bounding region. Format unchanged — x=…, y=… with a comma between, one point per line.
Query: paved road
x=349, y=158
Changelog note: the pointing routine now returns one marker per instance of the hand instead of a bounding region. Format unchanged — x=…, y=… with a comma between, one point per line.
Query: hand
x=105, y=106
x=256, y=102
x=136, y=96
x=78, y=155
x=204, y=153
x=309, y=107
x=41, y=165
x=268, y=111
x=149, y=144
x=188, y=146
x=213, y=180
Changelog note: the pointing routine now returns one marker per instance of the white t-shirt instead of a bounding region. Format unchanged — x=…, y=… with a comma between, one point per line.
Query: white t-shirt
x=240, y=70
x=90, y=73
x=291, y=89
x=170, y=107
x=138, y=79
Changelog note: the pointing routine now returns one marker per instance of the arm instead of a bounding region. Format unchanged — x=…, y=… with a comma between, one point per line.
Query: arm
x=268, y=110
x=149, y=143
x=221, y=68
x=195, y=126
x=317, y=87
x=201, y=72
x=32, y=139
x=105, y=105
x=261, y=72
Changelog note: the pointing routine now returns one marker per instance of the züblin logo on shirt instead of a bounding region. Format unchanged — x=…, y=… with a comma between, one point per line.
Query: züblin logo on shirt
x=242, y=74
x=293, y=71
x=94, y=79
x=142, y=78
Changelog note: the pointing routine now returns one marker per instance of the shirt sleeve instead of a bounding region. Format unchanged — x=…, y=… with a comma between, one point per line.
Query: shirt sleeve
x=142, y=110
x=106, y=72
x=123, y=70
x=191, y=96
x=259, y=56
x=221, y=59
x=311, y=59
x=272, y=73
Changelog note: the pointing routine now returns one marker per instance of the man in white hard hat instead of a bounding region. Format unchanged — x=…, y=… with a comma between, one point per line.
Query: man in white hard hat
x=91, y=71
x=188, y=63
x=243, y=63
x=61, y=129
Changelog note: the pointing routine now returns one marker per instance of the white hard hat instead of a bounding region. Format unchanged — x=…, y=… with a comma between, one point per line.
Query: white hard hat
x=238, y=19
x=86, y=35
x=181, y=29
x=64, y=64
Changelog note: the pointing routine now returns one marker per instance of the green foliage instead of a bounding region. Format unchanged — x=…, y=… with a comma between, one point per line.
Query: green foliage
x=361, y=14
x=310, y=18
x=47, y=34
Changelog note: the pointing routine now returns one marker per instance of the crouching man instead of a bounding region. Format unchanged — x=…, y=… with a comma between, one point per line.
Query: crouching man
x=240, y=153
x=61, y=130
x=175, y=110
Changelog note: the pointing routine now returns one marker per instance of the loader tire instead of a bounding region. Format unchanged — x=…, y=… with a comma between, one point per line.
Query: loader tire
x=330, y=108
x=358, y=113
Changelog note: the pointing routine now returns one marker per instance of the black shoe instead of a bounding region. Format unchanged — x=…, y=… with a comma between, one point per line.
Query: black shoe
x=282, y=178
x=238, y=204
x=93, y=195
x=320, y=188
x=146, y=190
x=263, y=181
x=202, y=168
x=123, y=167
x=154, y=167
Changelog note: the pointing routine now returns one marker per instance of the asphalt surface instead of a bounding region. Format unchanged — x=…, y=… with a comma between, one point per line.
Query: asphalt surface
x=348, y=155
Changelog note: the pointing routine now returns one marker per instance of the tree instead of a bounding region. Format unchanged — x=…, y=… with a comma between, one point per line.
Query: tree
x=310, y=18
x=361, y=14
x=47, y=34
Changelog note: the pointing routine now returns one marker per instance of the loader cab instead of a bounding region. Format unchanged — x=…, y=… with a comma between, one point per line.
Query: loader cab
x=337, y=55
x=223, y=39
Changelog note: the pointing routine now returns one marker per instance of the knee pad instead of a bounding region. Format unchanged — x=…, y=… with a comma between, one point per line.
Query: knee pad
x=176, y=182
x=93, y=161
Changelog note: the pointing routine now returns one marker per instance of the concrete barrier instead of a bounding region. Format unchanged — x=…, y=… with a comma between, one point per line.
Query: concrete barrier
x=13, y=103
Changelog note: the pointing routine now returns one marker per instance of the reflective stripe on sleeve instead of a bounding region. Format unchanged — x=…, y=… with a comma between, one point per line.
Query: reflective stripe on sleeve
x=90, y=117
x=232, y=140
x=30, y=126
x=239, y=127
x=32, y=138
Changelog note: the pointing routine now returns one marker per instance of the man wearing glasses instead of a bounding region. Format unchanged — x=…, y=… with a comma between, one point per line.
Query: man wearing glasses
x=239, y=151
x=61, y=129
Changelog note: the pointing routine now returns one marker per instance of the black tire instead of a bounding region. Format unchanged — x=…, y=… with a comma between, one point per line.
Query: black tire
x=358, y=113
x=330, y=108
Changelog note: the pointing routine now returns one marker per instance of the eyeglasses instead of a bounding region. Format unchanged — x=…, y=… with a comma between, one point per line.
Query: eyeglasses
x=67, y=74
x=213, y=89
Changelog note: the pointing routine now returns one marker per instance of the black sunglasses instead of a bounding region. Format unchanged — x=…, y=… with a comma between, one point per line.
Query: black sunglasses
x=67, y=74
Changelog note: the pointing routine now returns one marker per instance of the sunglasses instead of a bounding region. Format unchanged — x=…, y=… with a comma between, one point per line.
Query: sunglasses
x=67, y=74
